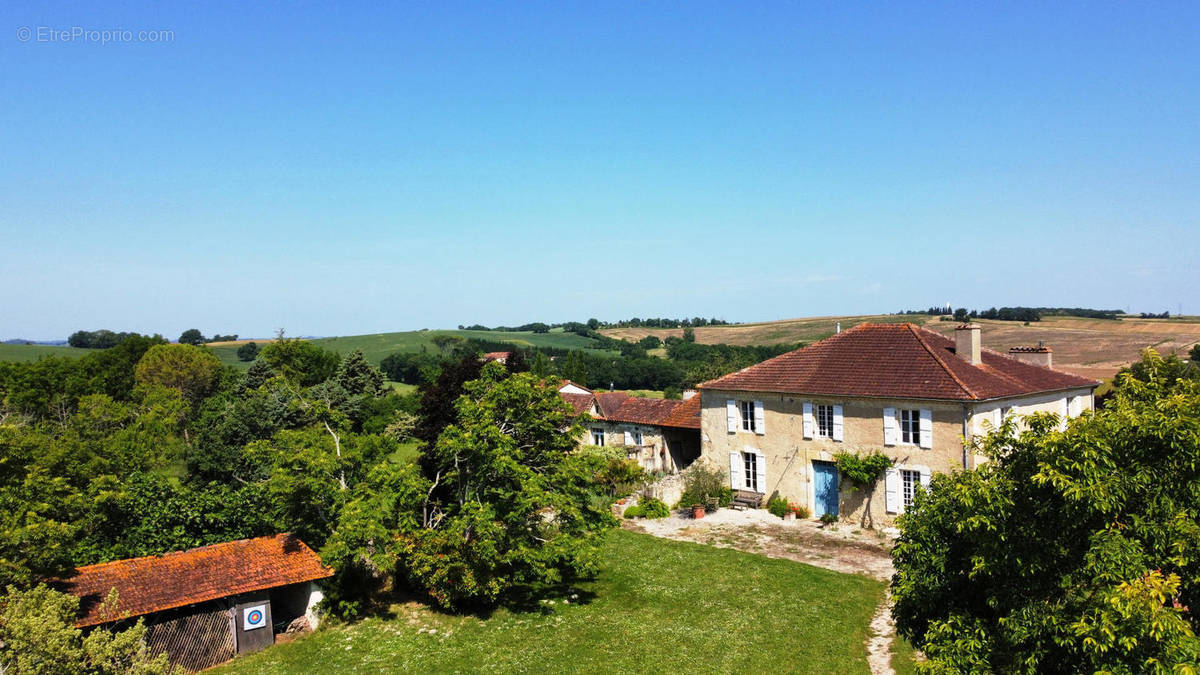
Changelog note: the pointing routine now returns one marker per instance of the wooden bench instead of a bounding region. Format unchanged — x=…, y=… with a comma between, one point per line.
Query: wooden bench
x=746, y=499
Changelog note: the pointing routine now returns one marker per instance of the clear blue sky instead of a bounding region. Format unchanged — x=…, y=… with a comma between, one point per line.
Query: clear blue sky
x=342, y=171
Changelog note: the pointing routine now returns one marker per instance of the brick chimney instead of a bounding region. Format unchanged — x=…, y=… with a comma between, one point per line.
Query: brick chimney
x=967, y=344
x=1038, y=356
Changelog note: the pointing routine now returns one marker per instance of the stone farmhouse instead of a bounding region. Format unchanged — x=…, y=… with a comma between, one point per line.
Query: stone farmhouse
x=915, y=395
x=663, y=435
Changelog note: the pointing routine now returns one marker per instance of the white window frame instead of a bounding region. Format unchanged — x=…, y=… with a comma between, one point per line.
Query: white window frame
x=597, y=432
x=910, y=480
x=637, y=437
x=825, y=420
x=909, y=423
x=746, y=416
x=750, y=462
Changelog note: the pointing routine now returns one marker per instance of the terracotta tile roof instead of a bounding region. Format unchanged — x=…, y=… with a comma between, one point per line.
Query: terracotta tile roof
x=157, y=583
x=496, y=356
x=617, y=406
x=582, y=403
x=895, y=361
x=686, y=414
x=610, y=402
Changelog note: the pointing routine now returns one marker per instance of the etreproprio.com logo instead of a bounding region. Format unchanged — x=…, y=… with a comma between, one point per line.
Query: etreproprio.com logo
x=101, y=36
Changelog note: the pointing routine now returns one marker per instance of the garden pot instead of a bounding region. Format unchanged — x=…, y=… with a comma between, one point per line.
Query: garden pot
x=697, y=511
x=790, y=516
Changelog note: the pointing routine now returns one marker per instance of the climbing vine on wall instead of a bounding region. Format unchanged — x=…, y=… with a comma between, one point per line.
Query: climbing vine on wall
x=862, y=470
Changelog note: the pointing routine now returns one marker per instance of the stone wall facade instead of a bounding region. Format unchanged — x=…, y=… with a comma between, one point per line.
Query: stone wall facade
x=789, y=457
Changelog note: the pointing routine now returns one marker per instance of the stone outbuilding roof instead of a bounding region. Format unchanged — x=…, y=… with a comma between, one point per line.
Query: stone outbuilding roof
x=161, y=582
x=896, y=361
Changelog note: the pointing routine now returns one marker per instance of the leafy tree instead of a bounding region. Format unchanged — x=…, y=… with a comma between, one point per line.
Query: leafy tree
x=445, y=343
x=357, y=376
x=1194, y=354
x=38, y=635
x=191, y=336
x=650, y=342
x=689, y=334
x=437, y=409
x=300, y=361
x=190, y=370
x=500, y=509
x=961, y=314
x=247, y=352
x=410, y=368
x=257, y=375
x=540, y=365
x=1069, y=551
x=575, y=368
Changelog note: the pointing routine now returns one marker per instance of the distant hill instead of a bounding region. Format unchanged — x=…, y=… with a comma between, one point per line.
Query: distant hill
x=22, y=341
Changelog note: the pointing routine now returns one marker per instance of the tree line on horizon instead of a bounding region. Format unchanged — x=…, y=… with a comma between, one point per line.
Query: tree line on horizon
x=1016, y=313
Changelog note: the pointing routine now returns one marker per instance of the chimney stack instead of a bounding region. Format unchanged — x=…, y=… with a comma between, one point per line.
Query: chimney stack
x=1038, y=356
x=967, y=343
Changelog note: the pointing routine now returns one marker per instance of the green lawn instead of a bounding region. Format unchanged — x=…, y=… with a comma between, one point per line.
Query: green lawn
x=35, y=352
x=658, y=606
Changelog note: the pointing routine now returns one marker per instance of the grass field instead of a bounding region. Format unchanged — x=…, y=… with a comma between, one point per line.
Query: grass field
x=658, y=606
x=35, y=352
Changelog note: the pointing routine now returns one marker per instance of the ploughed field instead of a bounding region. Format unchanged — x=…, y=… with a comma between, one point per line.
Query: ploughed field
x=657, y=606
x=1091, y=347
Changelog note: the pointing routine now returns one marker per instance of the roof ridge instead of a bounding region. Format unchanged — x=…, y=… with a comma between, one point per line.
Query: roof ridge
x=166, y=554
x=916, y=331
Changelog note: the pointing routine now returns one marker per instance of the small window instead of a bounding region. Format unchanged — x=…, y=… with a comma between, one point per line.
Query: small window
x=637, y=437
x=825, y=421
x=747, y=410
x=910, y=427
x=1005, y=413
x=597, y=436
x=1070, y=406
x=911, y=480
x=750, y=471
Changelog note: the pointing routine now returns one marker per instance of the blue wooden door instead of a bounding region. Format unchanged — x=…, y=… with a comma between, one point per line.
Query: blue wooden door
x=825, y=488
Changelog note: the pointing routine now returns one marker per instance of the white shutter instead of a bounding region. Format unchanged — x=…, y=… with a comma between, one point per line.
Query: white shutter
x=760, y=467
x=892, y=487
x=997, y=419
x=837, y=422
x=731, y=415
x=760, y=422
x=808, y=419
x=628, y=437
x=925, y=474
x=889, y=426
x=926, y=428
x=735, y=470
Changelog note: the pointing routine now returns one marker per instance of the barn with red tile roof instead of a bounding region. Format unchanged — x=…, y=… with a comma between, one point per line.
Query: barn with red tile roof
x=908, y=392
x=661, y=434
x=204, y=605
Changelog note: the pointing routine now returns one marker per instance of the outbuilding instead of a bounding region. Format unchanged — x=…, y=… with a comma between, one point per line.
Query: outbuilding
x=206, y=605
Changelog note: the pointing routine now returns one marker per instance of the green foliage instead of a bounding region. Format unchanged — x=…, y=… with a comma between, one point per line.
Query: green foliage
x=705, y=485
x=190, y=370
x=575, y=368
x=500, y=506
x=300, y=361
x=1194, y=355
x=1069, y=551
x=689, y=334
x=37, y=635
x=863, y=471
x=248, y=351
x=191, y=336
x=97, y=339
x=357, y=377
x=635, y=511
x=653, y=508
x=828, y=519
x=778, y=506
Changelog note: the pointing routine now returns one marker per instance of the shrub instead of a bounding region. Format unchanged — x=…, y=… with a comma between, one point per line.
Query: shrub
x=862, y=470
x=703, y=484
x=653, y=507
x=635, y=511
x=828, y=518
x=802, y=512
x=778, y=506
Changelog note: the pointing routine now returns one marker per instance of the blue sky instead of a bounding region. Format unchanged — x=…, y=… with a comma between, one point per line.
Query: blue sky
x=342, y=171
